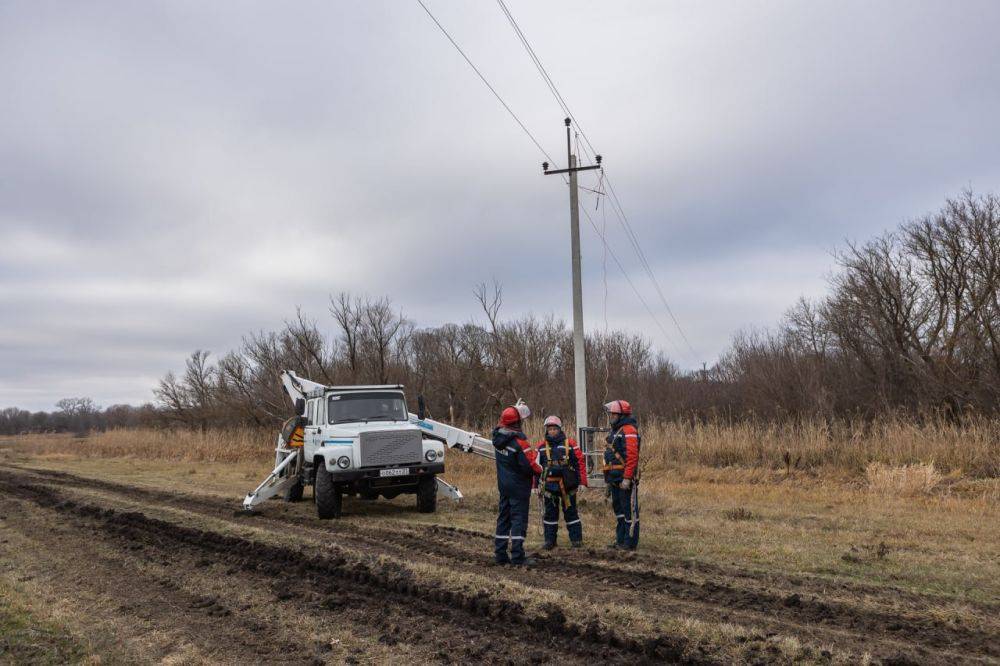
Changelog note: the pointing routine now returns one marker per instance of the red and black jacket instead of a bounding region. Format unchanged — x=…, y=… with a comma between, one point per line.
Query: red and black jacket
x=621, y=458
x=516, y=464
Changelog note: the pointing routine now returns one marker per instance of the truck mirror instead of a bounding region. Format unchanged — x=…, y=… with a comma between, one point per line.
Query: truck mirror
x=421, y=408
x=300, y=407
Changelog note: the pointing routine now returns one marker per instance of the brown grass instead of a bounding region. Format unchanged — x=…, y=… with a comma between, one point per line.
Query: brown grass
x=233, y=445
x=858, y=505
x=904, y=481
x=971, y=450
x=838, y=449
x=25, y=638
x=945, y=543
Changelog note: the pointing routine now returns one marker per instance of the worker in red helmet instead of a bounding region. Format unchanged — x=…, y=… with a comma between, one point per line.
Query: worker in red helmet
x=563, y=471
x=516, y=470
x=621, y=472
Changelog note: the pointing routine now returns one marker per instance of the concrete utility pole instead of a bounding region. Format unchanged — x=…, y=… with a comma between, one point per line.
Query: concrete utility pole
x=579, y=358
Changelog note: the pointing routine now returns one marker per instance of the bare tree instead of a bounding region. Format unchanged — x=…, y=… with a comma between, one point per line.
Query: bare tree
x=384, y=334
x=347, y=314
x=308, y=347
x=490, y=300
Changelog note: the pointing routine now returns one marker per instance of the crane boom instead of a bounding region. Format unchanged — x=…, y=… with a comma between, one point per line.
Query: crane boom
x=455, y=438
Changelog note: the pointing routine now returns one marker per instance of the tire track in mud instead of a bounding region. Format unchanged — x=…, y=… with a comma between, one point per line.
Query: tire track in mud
x=121, y=591
x=791, y=613
x=888, y=633
x=802, y=583
x=482, y=620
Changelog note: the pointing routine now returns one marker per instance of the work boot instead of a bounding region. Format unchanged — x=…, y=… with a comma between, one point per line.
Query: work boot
x=577, y=544
x=614, y=545
x=549, y=545
x=526, y=562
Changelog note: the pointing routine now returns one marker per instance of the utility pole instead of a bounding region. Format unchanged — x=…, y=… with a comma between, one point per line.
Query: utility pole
x=579, y=358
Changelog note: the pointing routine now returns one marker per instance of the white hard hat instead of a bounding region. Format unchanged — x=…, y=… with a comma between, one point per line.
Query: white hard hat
x=618, y=407
x=522, y=409
x=553, y=421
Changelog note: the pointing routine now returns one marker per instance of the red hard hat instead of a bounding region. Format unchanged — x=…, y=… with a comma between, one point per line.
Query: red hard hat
x=509, y=417
x=514, y=415
x=553, y=421
x=618, y=407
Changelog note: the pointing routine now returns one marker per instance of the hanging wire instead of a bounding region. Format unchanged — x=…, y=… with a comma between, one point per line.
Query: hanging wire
x=628, y=279
x=602, y=202
x=583, y=147
x=487, y=83
x=616, y=203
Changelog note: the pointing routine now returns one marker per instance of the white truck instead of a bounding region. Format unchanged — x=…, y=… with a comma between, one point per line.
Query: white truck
x=361, y=440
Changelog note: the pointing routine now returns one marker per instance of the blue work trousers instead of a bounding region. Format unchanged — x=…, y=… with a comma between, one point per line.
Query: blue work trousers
x=512, y=528
x=626, y=507
x=570, y=514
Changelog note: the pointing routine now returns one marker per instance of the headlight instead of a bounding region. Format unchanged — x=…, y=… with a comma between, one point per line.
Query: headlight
x=343, y=462
x=431, y=455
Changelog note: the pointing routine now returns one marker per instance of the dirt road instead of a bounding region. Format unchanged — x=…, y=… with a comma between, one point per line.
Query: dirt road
x=152, y=574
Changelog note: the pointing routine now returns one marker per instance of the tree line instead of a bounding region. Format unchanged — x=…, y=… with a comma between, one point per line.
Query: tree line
x=911, y=326
x=79, y=415
x=464, y=371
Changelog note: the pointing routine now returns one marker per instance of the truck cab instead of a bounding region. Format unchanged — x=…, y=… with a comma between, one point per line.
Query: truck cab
x=359, y=440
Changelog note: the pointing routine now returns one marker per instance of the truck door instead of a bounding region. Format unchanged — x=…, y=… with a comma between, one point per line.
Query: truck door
x=314, y=427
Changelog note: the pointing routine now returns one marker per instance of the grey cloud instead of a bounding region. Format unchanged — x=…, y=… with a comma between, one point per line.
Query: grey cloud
x=160, y=163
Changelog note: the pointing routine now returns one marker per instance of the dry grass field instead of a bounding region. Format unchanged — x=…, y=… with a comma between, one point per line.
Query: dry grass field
x=838, y=449
x=795, y=545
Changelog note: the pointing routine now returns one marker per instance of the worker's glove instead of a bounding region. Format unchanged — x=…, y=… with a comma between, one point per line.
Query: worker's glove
x=626, y=484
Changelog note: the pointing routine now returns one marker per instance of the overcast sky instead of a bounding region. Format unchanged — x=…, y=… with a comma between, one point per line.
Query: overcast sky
x=176, y=174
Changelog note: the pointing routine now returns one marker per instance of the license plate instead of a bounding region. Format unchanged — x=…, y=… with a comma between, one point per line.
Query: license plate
x=395, y=471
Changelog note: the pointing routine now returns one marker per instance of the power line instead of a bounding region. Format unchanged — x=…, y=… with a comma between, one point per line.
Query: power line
x=483, y=79
x=542, y=71
x=616, y=206
x=513, y=115
x=634, y=240
x=621, y=267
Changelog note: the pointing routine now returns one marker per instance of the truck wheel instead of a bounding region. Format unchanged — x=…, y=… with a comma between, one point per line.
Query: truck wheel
x=329, y=499
x=294, y=492
x=427, y=494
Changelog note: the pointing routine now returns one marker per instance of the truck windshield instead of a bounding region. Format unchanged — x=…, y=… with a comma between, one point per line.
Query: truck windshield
x=353, y=407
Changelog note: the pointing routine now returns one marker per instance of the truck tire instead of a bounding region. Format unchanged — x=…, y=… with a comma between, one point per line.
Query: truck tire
x=329, y=498
x=294, y=492
x=427, y=494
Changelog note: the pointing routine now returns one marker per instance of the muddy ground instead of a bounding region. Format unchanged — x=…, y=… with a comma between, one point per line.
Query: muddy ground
x=156, y=575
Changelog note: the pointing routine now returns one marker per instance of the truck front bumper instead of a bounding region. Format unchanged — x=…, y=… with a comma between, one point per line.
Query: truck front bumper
x=414, y=471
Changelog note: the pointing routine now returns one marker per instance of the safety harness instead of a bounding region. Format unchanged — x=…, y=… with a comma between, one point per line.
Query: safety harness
x=620, y=465
x=564, y=496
